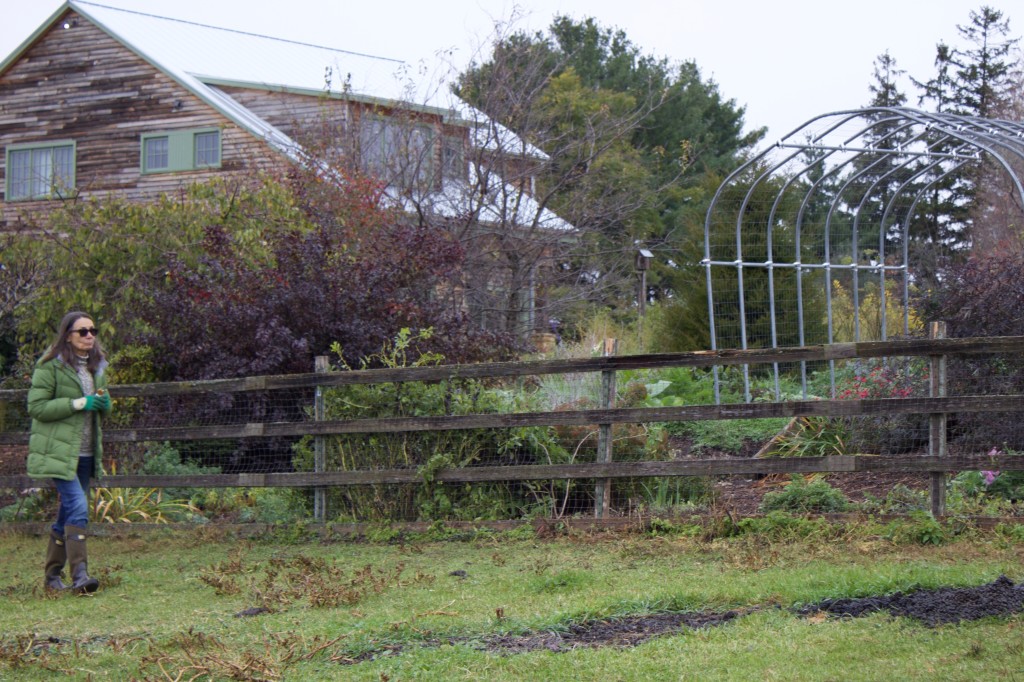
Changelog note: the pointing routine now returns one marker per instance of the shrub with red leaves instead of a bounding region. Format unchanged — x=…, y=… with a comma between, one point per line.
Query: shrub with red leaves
x=342, y=269
x=984, y=296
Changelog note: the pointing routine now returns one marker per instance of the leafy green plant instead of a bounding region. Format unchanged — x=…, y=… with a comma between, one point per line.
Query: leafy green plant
x=799, y=496
x=920, y=528
x=430, y=451
x=732, y=435
x=33, y=504
x=1013, y=532
x=899, y=500
x=138, y=505
x=165, y=460
x=810, y=437
x=667, y=494
x=782, y=525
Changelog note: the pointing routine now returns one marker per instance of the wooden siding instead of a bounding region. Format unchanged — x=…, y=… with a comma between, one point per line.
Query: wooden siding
x=315, y=120
x=80, y=84
x=293, y=114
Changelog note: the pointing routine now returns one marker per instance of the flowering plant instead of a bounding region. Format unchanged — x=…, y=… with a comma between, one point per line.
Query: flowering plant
x=884, y=380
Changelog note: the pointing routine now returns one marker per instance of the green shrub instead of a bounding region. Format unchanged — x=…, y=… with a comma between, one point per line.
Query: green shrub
x=427, y=452
x=1014, y=532
x=164, y=460
x=811, y=437
x=34, y=504
x=920, y=528
x=781, y=525
x=665, y=494
x=899, y=500
x=799, y=496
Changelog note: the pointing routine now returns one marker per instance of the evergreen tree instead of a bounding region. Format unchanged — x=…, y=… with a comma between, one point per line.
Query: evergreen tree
x=984, y=70
x=879, y=174
x=940, y=88
x=975, y=81
x=621, y=183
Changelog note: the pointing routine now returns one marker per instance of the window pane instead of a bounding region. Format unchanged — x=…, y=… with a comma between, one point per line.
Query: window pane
x=418, y=156
x=371, y=144
x=20, y=171
x=208, y=149
x=157, y=155
x=453, y=162
x=63, y=169
x=41, y=172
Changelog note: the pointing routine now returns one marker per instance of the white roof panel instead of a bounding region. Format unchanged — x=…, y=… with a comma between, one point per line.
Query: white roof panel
x=198, y=54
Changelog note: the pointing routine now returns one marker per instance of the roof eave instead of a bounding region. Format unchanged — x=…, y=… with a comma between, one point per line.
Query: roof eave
x=38, y=33
x=174, y=75
x=447, y=115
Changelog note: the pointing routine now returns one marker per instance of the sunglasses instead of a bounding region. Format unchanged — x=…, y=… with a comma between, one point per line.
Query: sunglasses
x=86, y=331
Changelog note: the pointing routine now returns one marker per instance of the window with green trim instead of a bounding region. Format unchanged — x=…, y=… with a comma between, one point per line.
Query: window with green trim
x=180, y=150
x=40, y=171
x=398, y=152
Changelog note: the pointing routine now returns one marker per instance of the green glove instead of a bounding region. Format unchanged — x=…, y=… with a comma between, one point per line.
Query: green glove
x=97, y=402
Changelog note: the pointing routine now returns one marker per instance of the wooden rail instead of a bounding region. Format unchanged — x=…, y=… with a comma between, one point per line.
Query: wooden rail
x=599, y=470
x=838, y=351
x=702, y=467
x=632, y=415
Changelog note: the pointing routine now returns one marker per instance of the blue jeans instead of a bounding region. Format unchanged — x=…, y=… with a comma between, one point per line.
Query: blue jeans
x=74, y=497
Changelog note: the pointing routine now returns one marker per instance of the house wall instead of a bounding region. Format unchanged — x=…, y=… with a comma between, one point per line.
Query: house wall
x=322, y=122
x=292, y=113
x=80, y=84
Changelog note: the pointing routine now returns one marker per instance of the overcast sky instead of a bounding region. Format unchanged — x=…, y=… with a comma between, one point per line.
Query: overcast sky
x=784, y=60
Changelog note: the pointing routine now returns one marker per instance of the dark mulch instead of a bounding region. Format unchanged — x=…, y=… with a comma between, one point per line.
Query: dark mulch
x=1000, y=598
x=620, y=632
x=934, y=607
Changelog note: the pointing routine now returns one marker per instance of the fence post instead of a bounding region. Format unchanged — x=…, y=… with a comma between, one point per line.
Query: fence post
x=937, y=421
x=603, y=489
x=320, y=366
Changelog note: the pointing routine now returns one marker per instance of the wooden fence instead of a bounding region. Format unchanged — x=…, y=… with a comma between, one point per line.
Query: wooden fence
x=938, y=405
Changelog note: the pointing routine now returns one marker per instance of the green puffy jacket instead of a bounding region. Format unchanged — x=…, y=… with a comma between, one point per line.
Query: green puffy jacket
x=56, y=437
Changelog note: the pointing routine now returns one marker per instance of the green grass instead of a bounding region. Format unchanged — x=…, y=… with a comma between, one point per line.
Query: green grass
x=158, y=615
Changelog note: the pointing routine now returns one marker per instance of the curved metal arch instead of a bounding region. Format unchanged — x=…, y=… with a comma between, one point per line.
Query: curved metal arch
x=885, y=158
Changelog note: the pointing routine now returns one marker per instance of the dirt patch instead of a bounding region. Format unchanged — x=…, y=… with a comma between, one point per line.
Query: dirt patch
x=999, y=598
x=934, y=607
x=741, y=495
x=619, y=632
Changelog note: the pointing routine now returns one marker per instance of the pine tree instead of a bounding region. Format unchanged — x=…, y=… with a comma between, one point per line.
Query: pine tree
x=984, y=71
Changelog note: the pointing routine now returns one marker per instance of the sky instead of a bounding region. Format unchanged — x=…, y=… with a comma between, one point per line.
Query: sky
x=785, y=61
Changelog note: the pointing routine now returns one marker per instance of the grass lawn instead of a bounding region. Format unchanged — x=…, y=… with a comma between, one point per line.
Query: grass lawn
x=447, y=609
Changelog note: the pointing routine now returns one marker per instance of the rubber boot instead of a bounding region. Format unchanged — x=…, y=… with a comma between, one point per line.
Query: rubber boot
x=77, y=557
x=56, y=557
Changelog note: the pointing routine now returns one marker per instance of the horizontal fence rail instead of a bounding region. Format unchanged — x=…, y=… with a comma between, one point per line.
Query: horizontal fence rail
x=799, y=408
x=987, y=401
x=706, y=467
x=495, y=370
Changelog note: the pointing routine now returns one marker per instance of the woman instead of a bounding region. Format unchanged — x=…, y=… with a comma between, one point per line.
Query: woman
x=67, y=401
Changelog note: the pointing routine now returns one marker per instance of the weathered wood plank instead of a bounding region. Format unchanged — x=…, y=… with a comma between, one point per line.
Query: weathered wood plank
x=913, y=347
x=707, y=467
x=636, y=415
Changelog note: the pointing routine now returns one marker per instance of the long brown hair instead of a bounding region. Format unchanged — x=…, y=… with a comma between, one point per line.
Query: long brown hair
x=62, y=348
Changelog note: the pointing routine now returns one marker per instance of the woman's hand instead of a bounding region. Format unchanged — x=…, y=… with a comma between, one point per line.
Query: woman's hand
x=92, y=403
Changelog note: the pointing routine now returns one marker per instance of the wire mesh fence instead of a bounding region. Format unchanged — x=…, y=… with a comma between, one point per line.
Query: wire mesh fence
x=392, y=439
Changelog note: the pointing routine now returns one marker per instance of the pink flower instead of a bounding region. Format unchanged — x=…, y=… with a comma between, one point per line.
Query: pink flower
x=989, y=477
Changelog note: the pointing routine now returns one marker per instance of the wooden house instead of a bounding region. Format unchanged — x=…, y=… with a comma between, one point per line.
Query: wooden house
x=102, y=102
